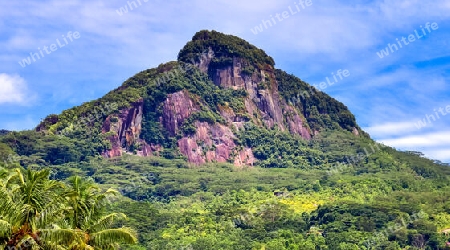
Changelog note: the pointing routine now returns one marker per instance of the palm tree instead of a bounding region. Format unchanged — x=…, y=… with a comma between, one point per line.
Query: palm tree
x=28, y=204
x=86, y=203
x=38, y=213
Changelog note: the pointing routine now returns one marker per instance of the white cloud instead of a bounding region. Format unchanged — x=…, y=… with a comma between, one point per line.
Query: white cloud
x=12, y=89
x=442, y=154
x=390, y=128
x=401, y=11
x=313, y=43
x=435, y=145
x=435, y=139
x=334, y=30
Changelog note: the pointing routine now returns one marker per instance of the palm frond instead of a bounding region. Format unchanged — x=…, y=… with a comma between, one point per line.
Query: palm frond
x=106, y=221
x=111, y=236
x=5, y=229
x=59, y=236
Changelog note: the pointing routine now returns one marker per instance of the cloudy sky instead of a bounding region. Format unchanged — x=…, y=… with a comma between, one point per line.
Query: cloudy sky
x=98, y=44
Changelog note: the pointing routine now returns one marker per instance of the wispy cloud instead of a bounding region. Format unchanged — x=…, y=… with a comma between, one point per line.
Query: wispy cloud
x=391, y=128
x=13, y=89
x=442, y=153
x=435, y=145
x=398, y=12
x=440, y=138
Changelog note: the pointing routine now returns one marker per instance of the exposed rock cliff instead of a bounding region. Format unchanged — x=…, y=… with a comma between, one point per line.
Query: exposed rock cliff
x=176, y=108
x=123, y=129
x=243, y=67
x=198, y=105
x=214, y=143
x=263, y=99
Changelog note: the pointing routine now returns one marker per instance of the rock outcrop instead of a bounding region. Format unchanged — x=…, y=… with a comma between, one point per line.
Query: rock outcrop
x=263, y=96
x=123, y=129
x=211, y=142
x=176, y=108
x=214, y=143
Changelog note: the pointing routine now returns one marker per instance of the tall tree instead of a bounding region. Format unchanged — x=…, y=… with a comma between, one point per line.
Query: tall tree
x=92, y=228
x=39, y=213
x=29, y=203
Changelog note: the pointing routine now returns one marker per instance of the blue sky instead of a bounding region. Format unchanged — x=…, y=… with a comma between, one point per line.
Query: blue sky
x=388, y=95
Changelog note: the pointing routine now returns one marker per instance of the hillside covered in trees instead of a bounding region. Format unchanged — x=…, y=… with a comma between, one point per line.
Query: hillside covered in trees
x=217, y=150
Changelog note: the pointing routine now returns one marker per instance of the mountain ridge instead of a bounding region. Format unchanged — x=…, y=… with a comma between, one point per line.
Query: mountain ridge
x=196, y=107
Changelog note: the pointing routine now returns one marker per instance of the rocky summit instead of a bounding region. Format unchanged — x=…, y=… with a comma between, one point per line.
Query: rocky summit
x=198, y=106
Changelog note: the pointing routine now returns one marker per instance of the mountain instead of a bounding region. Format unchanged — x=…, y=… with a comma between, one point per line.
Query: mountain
x=199, y=106
x=217, y=150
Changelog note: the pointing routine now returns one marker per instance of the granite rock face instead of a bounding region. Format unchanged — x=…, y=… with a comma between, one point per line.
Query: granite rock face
x=214, y=143
x=123, y=129
x=211, y=142
x=176, y=108
x=263, y=97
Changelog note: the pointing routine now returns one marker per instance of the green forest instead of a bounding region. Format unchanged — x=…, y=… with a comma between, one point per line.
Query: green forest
x=338, y=190
x=58, y=200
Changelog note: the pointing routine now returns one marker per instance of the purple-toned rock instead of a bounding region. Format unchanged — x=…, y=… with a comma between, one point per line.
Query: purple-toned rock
x=177, y=107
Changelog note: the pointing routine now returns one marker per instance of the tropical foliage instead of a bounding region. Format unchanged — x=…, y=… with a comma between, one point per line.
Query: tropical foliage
x=39, y=213
x=177, y=206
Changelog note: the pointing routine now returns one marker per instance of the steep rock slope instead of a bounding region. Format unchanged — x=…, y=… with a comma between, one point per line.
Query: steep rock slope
x=200, y=107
